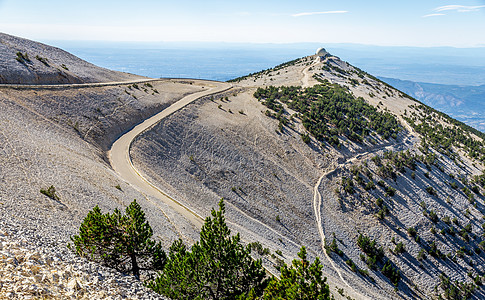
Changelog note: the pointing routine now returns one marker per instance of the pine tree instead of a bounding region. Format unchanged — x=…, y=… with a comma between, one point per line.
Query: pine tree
x=122, y=242
x=302, y=281
x=179, y=279
x=217, y=267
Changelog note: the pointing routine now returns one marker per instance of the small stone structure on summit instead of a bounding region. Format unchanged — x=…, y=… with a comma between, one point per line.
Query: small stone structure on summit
x=321, y=53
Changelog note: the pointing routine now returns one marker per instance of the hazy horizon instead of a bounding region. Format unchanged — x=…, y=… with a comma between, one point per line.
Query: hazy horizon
x=223, y=61
x=440, y=69
x=377, y=22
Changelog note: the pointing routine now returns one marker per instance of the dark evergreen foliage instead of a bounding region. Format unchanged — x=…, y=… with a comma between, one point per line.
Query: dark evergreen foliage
x=122, y=242
x=391, y=272
x=443, y=138
x=216, y=267
x=456, y=290
x=370, y=248
x=300, y=281
x=329, y=111
x=375, y=257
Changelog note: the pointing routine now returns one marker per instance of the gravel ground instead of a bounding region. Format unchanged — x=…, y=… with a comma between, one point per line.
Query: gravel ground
x=211, y=149
x=40, y=148
x=33, y=266
x=45, y=64
x=228, y=148
x=203, y=153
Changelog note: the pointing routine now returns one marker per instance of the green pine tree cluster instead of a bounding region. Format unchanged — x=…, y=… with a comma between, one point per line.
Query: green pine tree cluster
x=122, y=242
x=218, y=266
x=328, y=111
x=375, y=258
x=446, y=139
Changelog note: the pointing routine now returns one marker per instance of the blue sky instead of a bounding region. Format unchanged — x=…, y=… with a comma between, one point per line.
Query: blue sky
x=459, y=23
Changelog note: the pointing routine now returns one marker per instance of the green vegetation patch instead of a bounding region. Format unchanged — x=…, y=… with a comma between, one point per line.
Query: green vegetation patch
x=375, y=257
x=50, y=192
x=122, y=242
x=330, y=110
x=23, y=58
x=218, y=266
x=457, y=289
x=442, y=133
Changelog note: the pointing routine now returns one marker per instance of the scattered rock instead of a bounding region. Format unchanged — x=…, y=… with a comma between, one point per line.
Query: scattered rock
x=28, y=271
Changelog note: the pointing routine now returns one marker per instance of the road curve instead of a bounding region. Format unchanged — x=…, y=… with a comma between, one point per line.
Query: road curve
x=317, y=199
x=305, y=79
x=119, y=154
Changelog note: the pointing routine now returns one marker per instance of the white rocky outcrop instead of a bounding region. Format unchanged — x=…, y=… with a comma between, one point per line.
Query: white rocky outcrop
x=31, y=272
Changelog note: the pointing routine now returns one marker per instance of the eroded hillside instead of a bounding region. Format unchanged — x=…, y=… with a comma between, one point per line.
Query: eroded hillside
x=29, y=62
x=318, y=149
x=58, y=136
x=314, y=152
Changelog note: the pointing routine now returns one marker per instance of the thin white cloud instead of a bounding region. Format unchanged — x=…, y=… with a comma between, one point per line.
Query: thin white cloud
x=433, y=15
x=320, y=13
x=459, y=8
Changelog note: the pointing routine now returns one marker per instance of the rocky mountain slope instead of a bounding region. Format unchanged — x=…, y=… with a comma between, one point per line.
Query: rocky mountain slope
x=29, y=62
x=314, y=152
x=287, y=183
x=59, y=137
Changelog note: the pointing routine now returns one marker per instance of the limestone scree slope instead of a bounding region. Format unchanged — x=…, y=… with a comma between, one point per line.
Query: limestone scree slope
x=408, y=201
x=29, y=62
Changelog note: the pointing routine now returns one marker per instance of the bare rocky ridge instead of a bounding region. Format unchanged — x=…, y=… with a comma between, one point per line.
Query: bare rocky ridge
x=56, y=138
x=44, y=269
x=29, y=62
x=100, y=114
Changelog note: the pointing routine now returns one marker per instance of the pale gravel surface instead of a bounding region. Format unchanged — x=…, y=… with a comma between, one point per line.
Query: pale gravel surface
x=344, y=220
x=249, y=172
x=199, y=154
x=100, y=114
x=119, y=154
x=36, y=267
x=204, y=152
x=39, y=148
x=37, y=72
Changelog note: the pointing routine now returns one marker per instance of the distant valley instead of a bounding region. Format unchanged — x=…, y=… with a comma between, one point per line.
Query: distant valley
x=465, y=103
x=224, y=61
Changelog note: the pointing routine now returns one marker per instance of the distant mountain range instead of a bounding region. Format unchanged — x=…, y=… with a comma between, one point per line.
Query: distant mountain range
x=465, y=103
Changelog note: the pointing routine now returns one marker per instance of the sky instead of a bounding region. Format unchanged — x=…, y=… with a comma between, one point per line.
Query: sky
x=424, y=23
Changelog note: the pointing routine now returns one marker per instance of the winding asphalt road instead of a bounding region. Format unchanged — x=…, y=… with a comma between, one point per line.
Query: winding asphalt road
x=119, y=154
